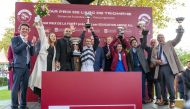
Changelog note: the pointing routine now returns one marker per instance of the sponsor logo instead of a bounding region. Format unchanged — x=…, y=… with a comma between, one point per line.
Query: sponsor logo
x=24, y=15
x=144, y=17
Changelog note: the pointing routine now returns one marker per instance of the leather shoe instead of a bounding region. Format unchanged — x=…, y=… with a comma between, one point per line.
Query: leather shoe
x=158, y=101
x=163, y=103
x=172, y=104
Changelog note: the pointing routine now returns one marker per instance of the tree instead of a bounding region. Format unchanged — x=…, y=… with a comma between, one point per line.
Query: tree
x=6, y=40
x=184, y=56
x=158, y=7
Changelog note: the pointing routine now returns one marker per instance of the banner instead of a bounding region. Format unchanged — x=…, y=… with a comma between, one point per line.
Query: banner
x=105, y=19
x=91, y=90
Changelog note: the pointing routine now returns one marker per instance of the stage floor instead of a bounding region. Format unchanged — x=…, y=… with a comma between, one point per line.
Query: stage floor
x=35, y=105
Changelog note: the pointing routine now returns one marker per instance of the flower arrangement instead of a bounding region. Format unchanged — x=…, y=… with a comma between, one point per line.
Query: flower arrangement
x=41, y=8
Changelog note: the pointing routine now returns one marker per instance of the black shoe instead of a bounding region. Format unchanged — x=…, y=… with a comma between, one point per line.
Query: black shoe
x=172, y=105
x=144, y=102
x=39, y=100
x=163, y=103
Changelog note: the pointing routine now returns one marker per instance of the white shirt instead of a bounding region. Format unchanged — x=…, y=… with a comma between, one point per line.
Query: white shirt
x=27, y=49
x=163, y=57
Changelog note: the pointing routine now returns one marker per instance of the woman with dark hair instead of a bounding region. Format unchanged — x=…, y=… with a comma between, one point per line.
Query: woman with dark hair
x=119, y=63
x=46, y=58
x=51, y=52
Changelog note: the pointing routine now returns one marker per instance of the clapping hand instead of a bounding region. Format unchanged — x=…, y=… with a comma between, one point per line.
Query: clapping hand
x=33, y=40
x=73, y=28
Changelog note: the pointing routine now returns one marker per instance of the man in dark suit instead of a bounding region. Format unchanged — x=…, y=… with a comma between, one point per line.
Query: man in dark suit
x=64, y=51
x=22, y=49
x=107, y=54
x=99, y=60
x=137, y=60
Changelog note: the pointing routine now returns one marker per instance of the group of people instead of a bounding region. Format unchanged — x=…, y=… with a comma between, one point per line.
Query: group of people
x=158, y=62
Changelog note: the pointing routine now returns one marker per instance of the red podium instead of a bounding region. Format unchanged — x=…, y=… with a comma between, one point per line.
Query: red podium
x=87, y=90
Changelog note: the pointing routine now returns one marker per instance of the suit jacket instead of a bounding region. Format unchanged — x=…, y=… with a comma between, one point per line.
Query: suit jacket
x=20, y=52
x=63, y=53
x=186, y=78
x=108, y=60
x=99, y=59
x=171, y=56
x=141, y=56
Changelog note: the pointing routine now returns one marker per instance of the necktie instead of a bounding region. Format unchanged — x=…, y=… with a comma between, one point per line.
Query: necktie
x=108, y=48
x=28, y=55
x=160, y=52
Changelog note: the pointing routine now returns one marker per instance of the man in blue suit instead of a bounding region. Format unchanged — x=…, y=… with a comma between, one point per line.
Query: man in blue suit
x=22, y=49
x=99, y=60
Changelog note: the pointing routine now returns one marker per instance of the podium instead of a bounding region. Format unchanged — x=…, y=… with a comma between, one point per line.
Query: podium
x=91, y=90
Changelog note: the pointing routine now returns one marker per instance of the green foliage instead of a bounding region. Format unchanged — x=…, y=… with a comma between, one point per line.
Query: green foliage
x=3, y=81
x=5, y=94
x=184, y=56
x=6, y=40
x=54, y=1
x=158, y=8
x=26, y=0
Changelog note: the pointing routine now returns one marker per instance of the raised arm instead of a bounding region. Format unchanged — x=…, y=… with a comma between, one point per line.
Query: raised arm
x=111, y=46
x=144, y=39
x=40, y=28
x=82, y=39
x=177, y=39
x=123, y=42
x=96, y=40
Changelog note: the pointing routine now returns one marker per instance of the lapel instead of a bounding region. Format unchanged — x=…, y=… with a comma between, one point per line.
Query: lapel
x=157, y=50
x=20, y=39
x=164, y=48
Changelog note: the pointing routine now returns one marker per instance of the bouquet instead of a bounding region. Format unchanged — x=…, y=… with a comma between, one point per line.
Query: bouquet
x=41, y=8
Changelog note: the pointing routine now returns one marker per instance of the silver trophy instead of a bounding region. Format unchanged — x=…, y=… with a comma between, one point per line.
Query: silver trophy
x=121, y=31
x=88, y=15
x=142, y=24
x=180, y=20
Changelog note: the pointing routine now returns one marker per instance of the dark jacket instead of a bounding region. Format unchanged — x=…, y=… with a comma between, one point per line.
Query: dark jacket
x=186, y=77
x=20, y=52
x=99, y=59
x=108, y=59
x=63, y=53
x=141, y=56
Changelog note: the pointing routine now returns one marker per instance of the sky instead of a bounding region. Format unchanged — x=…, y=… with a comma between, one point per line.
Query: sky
x=7, y=8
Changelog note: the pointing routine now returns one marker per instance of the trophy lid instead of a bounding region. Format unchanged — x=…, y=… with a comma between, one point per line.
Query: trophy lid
x=80, y=1
x=75, y=40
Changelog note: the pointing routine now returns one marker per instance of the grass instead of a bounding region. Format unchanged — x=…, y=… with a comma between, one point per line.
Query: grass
x=5, y=94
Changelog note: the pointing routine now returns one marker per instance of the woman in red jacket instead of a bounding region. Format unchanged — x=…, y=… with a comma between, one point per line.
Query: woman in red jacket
x=119, y=63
